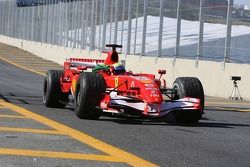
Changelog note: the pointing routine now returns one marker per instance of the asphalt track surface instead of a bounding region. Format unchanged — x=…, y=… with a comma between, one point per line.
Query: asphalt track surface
x=221, y=138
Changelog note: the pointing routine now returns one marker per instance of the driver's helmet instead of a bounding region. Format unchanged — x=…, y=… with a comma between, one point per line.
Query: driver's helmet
x=119, y=68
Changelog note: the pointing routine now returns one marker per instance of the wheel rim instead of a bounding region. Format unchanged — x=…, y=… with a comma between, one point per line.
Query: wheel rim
x=177, y=88
x=78, y=98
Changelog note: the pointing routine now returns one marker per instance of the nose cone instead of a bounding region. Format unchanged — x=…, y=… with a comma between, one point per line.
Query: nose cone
x=151, y=92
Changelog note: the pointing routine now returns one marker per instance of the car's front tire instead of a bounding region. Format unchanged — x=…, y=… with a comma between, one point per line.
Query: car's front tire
x=189, y=87
x=89, y=92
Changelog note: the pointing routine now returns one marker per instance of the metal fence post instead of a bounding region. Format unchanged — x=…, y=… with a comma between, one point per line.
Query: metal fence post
x=228, y=35
x=87, y=24
x=26, y=29
x=92, y=24
x=136, y=24
x=110, y=21
x=129, y=28
x=60, y=18
x=104, y=24
x=159, y=51
x=144, y=27
x=79, y=24
x=97, y=6
x=12, y=21
x=178, y=31
x=9, y=18
x=76, y=23
x=1, y=17
x=100, y=24
x=43, y=22
x=73, y=24
x=70, y=24
x=123, y=17
x=47, y=18
x=32, y=31
x=16, y=27
x=51, y=21
x=116, y=21
x=83, y=25
x=36, y=22
x=54, y=23
x=21, y=24
x=201, y=29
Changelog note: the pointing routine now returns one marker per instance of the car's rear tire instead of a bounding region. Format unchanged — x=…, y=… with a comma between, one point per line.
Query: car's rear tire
x=189, y=87
x=52, y=94
x=89, y=92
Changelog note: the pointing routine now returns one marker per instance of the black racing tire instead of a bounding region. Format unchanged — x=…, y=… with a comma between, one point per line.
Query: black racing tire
x=90, y=90
x=52, y=94
x=188, y=87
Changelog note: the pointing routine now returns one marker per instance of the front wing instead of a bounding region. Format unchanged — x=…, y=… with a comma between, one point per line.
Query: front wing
x=155, y=110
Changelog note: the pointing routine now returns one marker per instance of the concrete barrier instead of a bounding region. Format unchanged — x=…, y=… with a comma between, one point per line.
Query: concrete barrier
x=215, y=79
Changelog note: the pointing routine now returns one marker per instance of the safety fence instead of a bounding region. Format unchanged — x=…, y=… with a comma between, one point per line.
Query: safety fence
x=216, y=30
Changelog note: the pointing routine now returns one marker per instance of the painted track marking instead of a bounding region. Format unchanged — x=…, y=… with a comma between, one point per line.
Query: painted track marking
x=22, y=67
x=13, y=116
x=63, y=155
x=25, y=130
x=116, y=153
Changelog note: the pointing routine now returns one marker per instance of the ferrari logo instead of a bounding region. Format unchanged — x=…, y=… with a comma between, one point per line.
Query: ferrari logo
x=73, y=86
x=116, y=81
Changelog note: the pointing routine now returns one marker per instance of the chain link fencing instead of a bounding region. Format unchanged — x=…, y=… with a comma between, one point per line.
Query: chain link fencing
x=217, y=30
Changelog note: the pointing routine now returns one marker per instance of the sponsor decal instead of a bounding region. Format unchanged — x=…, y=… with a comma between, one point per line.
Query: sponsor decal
x=142, y=79
x=148, y=88
x=149, y=85
x=146, y=81
x=154, y=95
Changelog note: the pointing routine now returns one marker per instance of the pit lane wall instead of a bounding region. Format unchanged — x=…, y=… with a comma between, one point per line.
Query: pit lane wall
x=215, y=78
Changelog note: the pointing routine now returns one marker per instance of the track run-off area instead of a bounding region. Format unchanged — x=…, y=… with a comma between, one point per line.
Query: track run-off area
x=33, y=135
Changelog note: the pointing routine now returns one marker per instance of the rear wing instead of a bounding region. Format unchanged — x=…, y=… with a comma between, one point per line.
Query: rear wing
x=113, y=46
x=80, y=64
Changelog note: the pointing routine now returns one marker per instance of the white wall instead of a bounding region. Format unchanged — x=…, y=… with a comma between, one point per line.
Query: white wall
x=216, y=80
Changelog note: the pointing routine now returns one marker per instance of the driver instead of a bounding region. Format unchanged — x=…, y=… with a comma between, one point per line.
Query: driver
x=118, y=68
x=111, y=64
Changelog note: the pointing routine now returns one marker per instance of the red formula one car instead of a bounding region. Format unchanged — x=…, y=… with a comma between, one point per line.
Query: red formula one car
x=104, y=86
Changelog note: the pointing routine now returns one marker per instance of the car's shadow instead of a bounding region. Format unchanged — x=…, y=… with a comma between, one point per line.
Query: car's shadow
x=204, y=122
x=21, y=99
x=167, y=121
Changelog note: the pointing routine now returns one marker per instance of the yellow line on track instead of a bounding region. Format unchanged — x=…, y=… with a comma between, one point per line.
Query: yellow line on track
x=13, y=116
x=17, y=65
x=115, y=152
x=51, y=154
x=25, y=130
